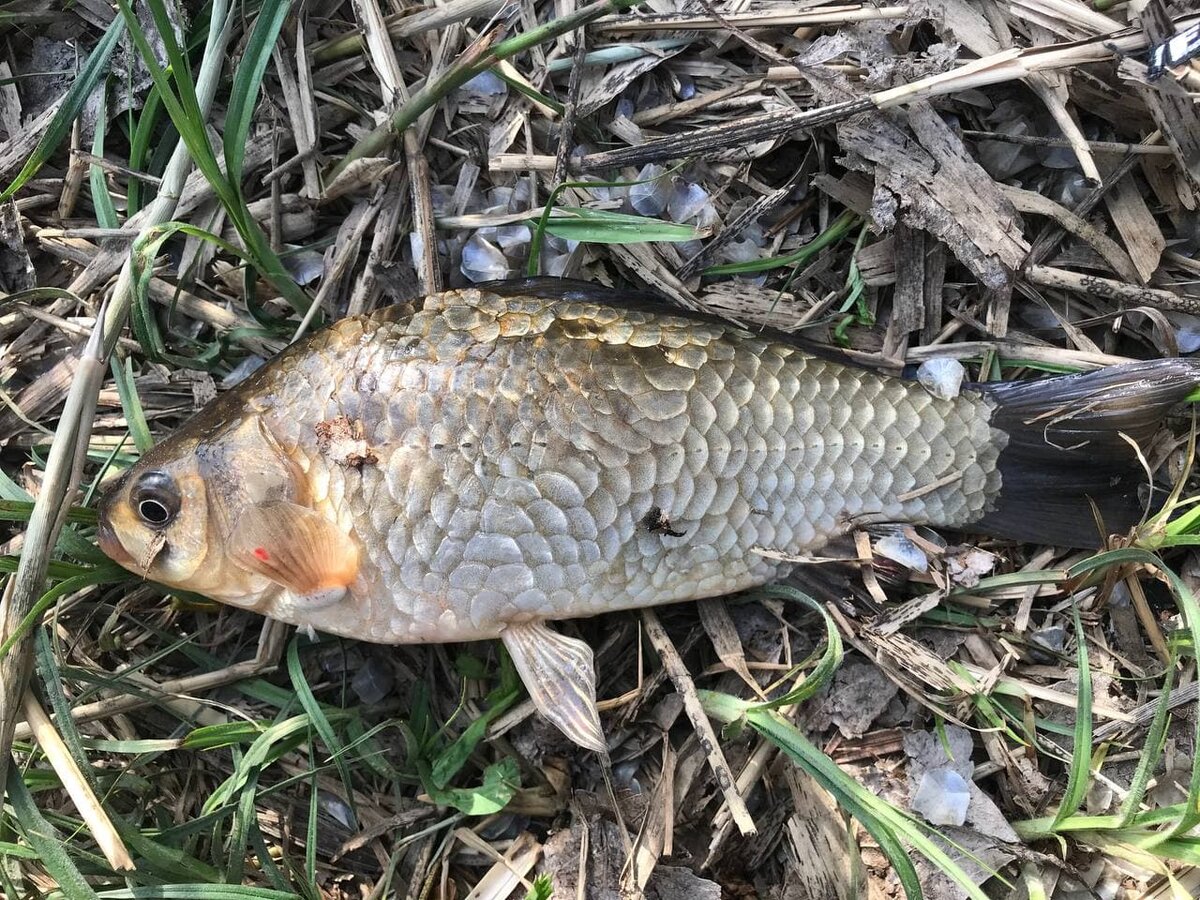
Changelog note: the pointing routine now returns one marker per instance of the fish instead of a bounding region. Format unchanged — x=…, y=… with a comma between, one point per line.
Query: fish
x=479, y=463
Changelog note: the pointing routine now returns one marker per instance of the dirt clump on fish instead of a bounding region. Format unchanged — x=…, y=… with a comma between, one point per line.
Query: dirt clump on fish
x=342, y=440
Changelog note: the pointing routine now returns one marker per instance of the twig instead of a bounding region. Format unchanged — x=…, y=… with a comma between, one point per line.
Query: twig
x=81, y=793
x=826, y=15
x=110, y=166
x=64, y=471
x=403, y=25
x=1111, y=289
x=1033, y=140
x=675, y=667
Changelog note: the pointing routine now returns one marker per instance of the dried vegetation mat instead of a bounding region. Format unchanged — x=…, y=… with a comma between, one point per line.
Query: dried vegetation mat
x=1010, y=183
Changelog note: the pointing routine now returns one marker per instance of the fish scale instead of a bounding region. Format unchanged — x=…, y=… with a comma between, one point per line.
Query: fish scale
x=480, y=462
x=523, y=441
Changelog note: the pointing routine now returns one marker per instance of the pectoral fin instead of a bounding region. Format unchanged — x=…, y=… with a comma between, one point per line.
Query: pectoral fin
x=295, y=547
x=561, y=679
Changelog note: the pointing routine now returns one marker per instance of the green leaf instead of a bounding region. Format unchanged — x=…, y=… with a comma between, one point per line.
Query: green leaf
x=500, y=782
x=19, y=511
x=543, y=888
x=72, y=106
x=451, y=760
x=248, y=81
x=140, y=142
x=601, y=226
x=277, y=740
x=830, y=659
x=1152, y=749
x=227, y=734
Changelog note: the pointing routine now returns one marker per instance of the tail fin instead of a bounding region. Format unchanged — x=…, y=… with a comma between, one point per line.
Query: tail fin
x=1066, y=449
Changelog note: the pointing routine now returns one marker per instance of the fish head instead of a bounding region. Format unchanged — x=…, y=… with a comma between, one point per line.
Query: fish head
x=172, y=517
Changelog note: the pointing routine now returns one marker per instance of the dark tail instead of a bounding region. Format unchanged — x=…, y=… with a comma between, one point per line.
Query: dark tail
x=1066, y=450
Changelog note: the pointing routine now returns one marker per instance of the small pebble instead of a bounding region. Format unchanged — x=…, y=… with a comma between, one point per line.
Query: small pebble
x=305, y=267
x=942, y=377
x=900, y=549
x=1058, y=157
x=483, y=261
x=373, y=682
x=242, y=371
x=1187, y=331
x=650, y=196
x=687, y=201
x=740, y=251
x=1053, y=639
x=942, y=797
x=486, y=84
x=337, y=808
x=510, y=237
x=1072, y=188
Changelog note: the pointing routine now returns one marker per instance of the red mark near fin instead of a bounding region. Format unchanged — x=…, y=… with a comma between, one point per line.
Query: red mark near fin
x=261, y=554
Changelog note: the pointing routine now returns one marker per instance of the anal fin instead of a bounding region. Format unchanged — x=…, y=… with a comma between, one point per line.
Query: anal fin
x=560, y=676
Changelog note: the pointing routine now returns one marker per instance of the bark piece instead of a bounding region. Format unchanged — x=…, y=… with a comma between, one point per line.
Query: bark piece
x=937, y=187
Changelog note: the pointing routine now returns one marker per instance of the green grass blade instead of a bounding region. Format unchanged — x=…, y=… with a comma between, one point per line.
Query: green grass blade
x=884, y=821
x=141, y=138
x=310, y=839
x=541, y=225
x=247, y=82
x=72, y=106
x=274, y=742
x=131, y=405
x=45, y=840
x=64, y=588
x=19, y=510
x=1081, y=753
x=1186, y=601
x=1151, y=750
x=184, y=109
x=320, y=722
x=848, y=793
x=243, y=821
x=102, y=202
x=830, y=659
x=601, y=226
x=838, y=229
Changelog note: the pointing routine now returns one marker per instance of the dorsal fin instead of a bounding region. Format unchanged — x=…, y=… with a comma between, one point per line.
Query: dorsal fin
x=644, y=300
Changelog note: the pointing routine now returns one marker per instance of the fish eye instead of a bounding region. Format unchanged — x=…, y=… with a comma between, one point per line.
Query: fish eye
x=156, y=499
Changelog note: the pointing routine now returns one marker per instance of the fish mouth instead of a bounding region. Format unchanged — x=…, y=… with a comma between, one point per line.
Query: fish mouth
x=112, y=547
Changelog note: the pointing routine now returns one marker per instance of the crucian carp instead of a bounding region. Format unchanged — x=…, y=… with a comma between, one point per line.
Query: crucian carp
x=479, y=463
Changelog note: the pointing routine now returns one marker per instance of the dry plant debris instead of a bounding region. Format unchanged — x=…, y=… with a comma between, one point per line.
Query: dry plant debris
x=1012, y=184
